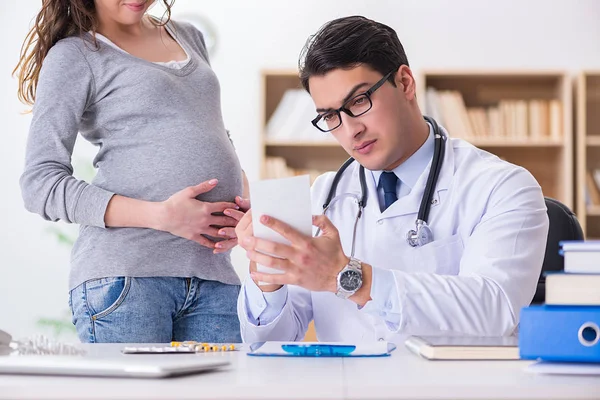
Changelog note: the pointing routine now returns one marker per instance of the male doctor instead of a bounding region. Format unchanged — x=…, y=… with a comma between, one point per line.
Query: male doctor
x=487, y=217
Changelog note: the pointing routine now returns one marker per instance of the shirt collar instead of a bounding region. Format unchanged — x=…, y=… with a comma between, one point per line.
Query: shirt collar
x=411, y=169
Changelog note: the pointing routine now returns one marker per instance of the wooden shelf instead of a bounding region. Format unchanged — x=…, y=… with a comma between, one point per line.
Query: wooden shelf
x=494, y=74
x=479, y=142
x=499, y=142
x=592, y=140
x=593, y=211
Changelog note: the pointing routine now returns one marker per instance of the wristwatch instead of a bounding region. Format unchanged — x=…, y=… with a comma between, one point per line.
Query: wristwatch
x=349, y=280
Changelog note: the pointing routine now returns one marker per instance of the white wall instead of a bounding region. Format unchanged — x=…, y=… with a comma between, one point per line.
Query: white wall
x=267, y=34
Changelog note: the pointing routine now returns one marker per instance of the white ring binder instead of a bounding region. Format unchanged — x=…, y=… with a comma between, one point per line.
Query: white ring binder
x=587, y=329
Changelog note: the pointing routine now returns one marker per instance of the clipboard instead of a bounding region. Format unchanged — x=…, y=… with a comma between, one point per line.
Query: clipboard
x=321, y=349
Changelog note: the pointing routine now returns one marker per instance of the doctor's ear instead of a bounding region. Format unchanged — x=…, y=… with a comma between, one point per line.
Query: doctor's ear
x=405, y=81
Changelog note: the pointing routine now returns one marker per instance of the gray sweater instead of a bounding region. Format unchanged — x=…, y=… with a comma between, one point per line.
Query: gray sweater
x=157, y=129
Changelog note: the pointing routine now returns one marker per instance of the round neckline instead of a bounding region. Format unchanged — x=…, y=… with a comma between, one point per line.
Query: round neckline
x=184, y=70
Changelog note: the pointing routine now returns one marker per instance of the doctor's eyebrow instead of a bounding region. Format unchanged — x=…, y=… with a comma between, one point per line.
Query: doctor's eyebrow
x=348, y=97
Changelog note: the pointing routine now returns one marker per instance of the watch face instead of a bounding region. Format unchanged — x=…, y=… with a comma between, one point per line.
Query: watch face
x=350, y=280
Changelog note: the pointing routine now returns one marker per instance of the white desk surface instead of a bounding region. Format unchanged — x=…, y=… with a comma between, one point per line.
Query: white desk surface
x=401, y=376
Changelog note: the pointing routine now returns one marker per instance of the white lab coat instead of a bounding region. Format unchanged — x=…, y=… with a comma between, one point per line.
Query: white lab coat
x=490, y=226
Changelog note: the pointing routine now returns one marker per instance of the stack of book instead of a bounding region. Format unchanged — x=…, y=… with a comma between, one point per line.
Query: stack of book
x=567, y=327
x=592, y=187
x=276, y=168
x=516, y=120
x=291, y=119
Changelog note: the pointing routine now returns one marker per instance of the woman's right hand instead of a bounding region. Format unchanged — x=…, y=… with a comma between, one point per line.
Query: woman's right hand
x=185, y=216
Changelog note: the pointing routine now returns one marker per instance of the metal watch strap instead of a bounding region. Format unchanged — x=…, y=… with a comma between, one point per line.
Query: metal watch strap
x=354, y=264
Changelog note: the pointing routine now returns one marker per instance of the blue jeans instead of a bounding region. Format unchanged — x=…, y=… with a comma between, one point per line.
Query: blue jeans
x=155, y=310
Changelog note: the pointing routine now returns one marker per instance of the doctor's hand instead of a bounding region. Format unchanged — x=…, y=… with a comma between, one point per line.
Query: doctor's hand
x=312, y=263
x=185, y=216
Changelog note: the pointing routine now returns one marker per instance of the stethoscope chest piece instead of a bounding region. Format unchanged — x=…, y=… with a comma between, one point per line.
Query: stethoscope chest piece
x=421, y=236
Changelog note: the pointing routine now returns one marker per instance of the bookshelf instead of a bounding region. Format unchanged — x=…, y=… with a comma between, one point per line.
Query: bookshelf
x=524, y=117
x=588, y=153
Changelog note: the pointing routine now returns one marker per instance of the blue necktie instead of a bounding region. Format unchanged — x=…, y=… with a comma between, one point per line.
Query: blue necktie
x=388, y=181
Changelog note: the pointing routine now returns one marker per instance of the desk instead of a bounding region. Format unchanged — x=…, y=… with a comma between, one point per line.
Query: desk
x=401, y=376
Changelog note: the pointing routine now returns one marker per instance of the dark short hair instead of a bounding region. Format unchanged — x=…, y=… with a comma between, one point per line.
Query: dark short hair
x=348, y=42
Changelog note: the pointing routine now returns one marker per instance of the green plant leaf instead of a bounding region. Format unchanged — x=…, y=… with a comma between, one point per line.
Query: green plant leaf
x=58, y=326
x=61, y=237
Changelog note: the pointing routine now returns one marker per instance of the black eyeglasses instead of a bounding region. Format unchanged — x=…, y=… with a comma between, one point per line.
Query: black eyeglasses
x=355, y=107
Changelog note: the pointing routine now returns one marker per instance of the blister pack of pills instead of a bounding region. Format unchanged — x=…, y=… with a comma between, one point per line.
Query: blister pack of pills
x=180, y=348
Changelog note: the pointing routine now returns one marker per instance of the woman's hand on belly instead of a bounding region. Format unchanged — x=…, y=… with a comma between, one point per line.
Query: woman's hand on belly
x=184, y=216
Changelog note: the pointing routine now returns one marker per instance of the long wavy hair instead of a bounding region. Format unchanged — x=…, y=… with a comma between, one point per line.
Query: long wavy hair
x=57, y=20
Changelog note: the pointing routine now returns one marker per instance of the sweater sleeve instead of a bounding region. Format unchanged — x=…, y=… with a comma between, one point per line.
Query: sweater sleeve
x=65, y=89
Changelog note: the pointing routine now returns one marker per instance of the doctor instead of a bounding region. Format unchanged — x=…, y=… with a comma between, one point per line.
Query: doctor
x=422, y=233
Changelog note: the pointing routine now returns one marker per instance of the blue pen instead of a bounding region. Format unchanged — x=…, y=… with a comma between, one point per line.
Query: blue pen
x=318, y=350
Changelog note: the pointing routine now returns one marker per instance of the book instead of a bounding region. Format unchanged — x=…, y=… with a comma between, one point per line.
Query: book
x=464, y=347
x=291, y=118
x=556, y=119
x=572, y=289
x=581, y=256
x=580, y=245
x=592, y=188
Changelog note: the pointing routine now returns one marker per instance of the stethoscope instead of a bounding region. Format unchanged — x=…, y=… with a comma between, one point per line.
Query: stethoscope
x=422, y=234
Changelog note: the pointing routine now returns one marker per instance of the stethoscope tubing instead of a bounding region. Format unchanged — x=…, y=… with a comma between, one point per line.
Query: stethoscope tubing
x=424, y=207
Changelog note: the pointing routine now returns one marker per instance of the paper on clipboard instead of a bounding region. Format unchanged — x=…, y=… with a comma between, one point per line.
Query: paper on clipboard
x=286, y=199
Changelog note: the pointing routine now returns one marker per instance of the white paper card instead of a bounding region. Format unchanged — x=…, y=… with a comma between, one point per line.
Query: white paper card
x=563, y=368
x=286, y=199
